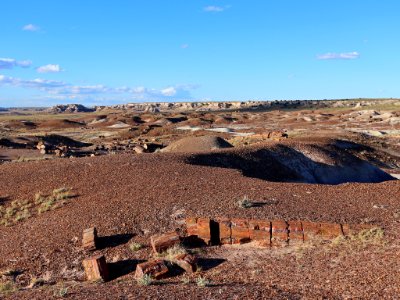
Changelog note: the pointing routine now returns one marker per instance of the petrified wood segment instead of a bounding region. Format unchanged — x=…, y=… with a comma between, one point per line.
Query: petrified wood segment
x=296, y=234
x=330, y=230
x=155, y=268
x=96, y=268
x=260, y=231
x=187, y=262
x=162, y=242
x=204, y=230
x=191, y=226
x=280, y=234
x=225, y=234
x=240, y=232
x=311, y=230
x=89, y=239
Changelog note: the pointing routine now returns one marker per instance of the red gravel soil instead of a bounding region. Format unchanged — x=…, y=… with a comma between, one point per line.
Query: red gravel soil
x=130, y=197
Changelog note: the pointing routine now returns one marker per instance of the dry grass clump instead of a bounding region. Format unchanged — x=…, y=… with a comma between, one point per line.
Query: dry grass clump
x=202, y=281
x=244, y=202
x=135, y=246
x=20, y=210
x=361, y=239
x=6, y=288
x=174, y=251
x=145, y=280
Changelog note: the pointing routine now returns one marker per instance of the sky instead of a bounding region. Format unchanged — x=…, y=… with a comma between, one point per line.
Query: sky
x=111, y=52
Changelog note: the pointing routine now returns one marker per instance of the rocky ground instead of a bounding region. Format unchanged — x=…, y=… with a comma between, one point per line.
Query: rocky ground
x=46, y=204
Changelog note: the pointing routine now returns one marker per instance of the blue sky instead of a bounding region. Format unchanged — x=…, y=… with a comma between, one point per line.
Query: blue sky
x=107, y=52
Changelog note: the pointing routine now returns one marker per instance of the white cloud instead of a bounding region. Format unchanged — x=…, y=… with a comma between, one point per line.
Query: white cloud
x=344, y=55
x=185, y=46
x=56, y=89
x=51, y=68
x=31, y=27
x=9, y=63
x=169, y=91
x=212, y=8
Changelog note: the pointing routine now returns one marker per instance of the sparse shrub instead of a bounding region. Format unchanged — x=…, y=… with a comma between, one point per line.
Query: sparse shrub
x=244, y=202
x=145, y=280
x=185, y=280
x=135, y=246
x=202, y=281
x=6, y=287
x=174, y=251
x=61, y=293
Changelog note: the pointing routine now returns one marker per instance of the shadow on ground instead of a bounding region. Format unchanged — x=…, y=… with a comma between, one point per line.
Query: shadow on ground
x=322, y=164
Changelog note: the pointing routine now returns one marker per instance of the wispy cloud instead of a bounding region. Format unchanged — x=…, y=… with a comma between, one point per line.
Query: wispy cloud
x=51, y=68
x=31, y=27
x=213, y=8
x=185, y=46
x=344, y=55
x=60, y=89
x=9, y=63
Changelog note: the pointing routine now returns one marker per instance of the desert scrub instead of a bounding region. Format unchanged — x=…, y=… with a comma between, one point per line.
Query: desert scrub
x=135, y=246
x=145, y=280
x=6, y=288
x=171, y=253
x=20, y=210
x=244, y=202
x=202, y=281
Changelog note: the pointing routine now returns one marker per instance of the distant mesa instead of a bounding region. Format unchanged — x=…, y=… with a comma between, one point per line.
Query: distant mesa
x=197, y=144
x=69, y=108
x=3, y=109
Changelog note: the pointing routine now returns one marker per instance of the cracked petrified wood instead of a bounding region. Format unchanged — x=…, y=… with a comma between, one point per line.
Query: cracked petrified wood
x=89, y=239
x=276, y=233
x=156, y=269
x=187, y=262
x=96, y=268
x=162, y=242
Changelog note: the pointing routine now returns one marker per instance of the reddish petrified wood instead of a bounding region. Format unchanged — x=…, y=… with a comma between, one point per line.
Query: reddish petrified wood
x=311, y=230
x=296, y=235
x=191, y=226
x=204, y=230
x=279, y=233
x=240, y=232
x=330, y=230
x=225, y=234
x=89, y=239
x=96, y=268
x=156, y=269
x=187, y=262
x=162, y=242
x=260, y=231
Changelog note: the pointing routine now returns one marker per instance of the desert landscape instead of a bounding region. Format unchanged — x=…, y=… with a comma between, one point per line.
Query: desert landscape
x=216, y=200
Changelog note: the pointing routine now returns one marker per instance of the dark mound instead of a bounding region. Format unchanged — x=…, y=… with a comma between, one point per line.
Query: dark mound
x=197, y=144
x=55, y=139
x=300, y=162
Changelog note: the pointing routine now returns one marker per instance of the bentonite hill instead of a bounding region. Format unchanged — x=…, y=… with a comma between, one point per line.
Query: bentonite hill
x=232, y=202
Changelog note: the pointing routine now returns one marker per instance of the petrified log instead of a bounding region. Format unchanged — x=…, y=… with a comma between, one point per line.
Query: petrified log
x=89, y=239
x=96, y=268
x=155, y=268
x=311, y=230
x=225, y=234
x=330, y=230
x=191, y=226
x=187, y=262
x=296, y=235
x=260, y=231
x=162, y=242
x=240, y=232
x=204, y=230
x=279, y=233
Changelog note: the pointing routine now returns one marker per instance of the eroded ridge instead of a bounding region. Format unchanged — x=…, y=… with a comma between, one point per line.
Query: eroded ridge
x=267, y=233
